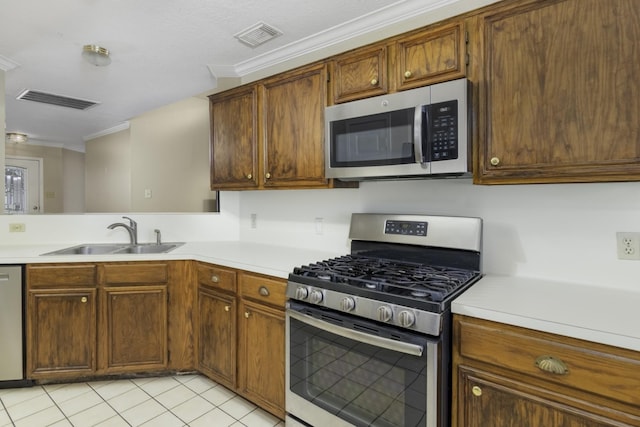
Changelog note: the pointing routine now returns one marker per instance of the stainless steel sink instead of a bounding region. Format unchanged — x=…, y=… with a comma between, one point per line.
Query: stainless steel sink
x=110, y=248
x=150, y=248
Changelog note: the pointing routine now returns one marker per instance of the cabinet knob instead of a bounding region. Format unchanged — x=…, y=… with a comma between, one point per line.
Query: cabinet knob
x=552, y=365
x=249, y=176
x=495, y=161
x=227, y=307
x=246, y=314
x=215, y=279
x=477, y=391
x=374, y=82
x=83, y=299
x=268, y=175
x=263, y=291
x=407, y=74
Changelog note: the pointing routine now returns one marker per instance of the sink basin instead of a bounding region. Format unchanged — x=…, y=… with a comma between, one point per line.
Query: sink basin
x=148, y=248
x=110, y=248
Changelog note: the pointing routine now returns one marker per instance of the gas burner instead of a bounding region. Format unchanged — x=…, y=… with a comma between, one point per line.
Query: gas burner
x=405, y=279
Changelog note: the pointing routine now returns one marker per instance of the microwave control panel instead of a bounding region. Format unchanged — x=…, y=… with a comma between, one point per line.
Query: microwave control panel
x=443, y=131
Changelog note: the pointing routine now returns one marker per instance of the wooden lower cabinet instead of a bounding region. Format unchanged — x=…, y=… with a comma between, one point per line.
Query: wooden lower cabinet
x=92, y=319
x=217, y=336
x=61, y=332
x=507, y=376
x=240, y=333
x=261, y=355
x=498, y=402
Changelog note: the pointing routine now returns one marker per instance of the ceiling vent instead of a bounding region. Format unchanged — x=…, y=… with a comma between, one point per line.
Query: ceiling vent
x=258, y=34
x=51, y=99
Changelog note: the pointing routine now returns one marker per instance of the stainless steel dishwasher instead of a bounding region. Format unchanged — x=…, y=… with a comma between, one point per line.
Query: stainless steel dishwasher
x=11, y=327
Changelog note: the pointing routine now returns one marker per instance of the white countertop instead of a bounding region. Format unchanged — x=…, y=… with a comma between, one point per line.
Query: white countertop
x=605, y=315
x=272, y=260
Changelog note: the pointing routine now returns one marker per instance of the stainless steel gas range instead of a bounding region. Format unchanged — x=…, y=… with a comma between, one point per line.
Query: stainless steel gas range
x=368, y=334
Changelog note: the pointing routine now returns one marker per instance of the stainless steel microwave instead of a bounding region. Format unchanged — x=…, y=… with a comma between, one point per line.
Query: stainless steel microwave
x=416, y=133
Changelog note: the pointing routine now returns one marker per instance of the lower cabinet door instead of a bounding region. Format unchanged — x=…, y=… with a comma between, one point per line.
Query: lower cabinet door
x=61, y=333
x=483, y=402
x=217, y=336
x=135, y=328
x=261, y=344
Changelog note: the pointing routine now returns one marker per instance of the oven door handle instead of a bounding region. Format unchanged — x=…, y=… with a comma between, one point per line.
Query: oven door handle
x=389, y=344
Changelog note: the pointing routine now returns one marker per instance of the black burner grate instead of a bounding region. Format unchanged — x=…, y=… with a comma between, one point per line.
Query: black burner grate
x=409, y=280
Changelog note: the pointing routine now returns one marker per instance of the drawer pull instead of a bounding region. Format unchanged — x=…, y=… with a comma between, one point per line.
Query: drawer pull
x=552, y=365
x=215, y=279
x=477, y=391
x=263, y=291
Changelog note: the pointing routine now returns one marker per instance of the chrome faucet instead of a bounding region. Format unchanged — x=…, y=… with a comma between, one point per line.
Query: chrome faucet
x=132, y=228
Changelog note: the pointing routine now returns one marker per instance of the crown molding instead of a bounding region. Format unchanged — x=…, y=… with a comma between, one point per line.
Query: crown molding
x=413, y=13
x=7, y=64
x=114, y=129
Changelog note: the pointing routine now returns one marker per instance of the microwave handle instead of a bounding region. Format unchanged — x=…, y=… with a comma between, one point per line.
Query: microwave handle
x=389, y=344
x=420, y=133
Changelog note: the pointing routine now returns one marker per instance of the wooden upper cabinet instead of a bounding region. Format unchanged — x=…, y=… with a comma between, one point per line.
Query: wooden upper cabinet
x=559, y=100
x=234, y=139
x=434, y=55
x=359, y=74
x=293, y=128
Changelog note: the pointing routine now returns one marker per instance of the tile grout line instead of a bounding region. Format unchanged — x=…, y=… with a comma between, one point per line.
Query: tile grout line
x=55, y=402
x=7, y=412
x=109, y=405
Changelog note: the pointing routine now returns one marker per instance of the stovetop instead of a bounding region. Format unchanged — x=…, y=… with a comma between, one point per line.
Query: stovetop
x=411, y=281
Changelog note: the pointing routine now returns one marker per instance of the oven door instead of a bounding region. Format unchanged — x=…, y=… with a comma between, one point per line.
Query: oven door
x=344, y=371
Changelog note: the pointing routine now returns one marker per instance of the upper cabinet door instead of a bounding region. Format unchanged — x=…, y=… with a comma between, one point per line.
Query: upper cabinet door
x=293, y=125
x=559, y=98
x=359, y=74
x=234, y=143
x=434, y=55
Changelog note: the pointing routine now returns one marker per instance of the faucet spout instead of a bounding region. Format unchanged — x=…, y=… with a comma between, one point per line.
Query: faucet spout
x=132, y=229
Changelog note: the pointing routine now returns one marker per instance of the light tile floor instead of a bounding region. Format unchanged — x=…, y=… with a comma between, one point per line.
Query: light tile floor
x=182, y=400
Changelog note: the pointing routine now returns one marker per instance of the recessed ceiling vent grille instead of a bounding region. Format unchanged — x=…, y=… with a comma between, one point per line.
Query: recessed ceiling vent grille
x=258, y=34
x=51, y=99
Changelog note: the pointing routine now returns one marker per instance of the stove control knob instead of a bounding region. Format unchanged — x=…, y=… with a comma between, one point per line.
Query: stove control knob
x=406, y=318
x=315, y=296
x=347, y=304
x=384, y=313
x=302, y=292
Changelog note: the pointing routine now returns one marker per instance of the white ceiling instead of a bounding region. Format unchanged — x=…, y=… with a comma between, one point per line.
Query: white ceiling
x=164, y=51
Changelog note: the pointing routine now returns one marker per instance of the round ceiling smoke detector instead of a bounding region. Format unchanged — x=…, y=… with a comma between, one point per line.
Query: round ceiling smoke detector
x=96, y=55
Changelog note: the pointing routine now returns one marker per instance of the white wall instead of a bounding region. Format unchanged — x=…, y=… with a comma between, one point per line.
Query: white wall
x=563, y=232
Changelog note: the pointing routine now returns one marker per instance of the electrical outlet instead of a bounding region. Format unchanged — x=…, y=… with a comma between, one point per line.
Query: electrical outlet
x=17, y=227
x=319, y=226
x=628, y=245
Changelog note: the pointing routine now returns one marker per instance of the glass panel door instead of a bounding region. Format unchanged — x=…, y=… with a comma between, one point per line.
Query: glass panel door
x=22, y=192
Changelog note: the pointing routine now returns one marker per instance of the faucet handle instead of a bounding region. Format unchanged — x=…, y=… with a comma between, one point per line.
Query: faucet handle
x=132, y=223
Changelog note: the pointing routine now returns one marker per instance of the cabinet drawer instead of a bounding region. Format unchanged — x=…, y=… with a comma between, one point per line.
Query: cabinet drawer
x=599, y=369
x=61, y=275
x=147, y=273
x=217, y=277
x=268, y=290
